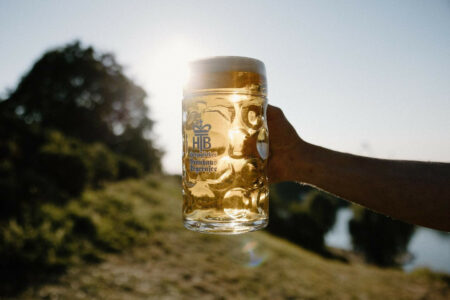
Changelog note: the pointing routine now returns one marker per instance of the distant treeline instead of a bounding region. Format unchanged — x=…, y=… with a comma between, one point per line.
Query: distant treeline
x=304, y=215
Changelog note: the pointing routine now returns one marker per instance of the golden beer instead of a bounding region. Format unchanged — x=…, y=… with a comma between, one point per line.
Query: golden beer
x=225, y=146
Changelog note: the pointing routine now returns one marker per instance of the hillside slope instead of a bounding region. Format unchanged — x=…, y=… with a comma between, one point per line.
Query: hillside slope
x=178, y=264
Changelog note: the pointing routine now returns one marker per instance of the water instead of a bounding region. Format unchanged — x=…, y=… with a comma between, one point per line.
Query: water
x=430, y=248
x=339, y=236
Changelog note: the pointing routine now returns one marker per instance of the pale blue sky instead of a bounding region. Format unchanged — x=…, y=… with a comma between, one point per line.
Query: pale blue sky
x=364, y=77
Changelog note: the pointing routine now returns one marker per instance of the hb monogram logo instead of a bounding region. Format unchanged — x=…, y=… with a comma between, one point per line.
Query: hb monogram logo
x=201, y=140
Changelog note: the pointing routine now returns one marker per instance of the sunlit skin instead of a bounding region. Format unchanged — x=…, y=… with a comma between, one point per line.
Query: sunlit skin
x=411, y=191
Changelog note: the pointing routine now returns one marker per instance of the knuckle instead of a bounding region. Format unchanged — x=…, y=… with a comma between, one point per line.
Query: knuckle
x=275, y=111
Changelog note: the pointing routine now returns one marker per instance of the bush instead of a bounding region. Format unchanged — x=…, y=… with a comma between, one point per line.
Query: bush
x=46, y=166
x=63, y=162
x=77, y=164
x=19, y=180
x=103, y=164
x=129, y=168
x=86, y=163
x=51, y=237
x=67, y=172
x=380, y=239
x=299, y=227
x=322, y=208
x=302, y=214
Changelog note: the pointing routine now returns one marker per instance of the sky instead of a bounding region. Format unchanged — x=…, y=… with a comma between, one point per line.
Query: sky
x=369, y=78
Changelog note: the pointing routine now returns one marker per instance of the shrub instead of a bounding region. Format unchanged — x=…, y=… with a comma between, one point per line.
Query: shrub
x=61, y=160
x=51, y=237
x=129, y=168
x=380, y=239
x=67, y=171
x=322, y=208
x=19, y=180
x=302, y=214
x=39, y=166
x=103, y=165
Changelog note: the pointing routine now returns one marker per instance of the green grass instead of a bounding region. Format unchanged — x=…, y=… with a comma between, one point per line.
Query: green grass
x=167, y=261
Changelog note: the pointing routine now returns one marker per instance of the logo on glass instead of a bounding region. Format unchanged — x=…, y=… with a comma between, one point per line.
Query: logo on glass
x=201, y=141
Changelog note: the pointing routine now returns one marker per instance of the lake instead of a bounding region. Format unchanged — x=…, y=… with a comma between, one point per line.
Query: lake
x=430, y=248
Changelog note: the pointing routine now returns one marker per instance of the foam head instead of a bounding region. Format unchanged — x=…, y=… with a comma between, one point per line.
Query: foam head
x=227, y=72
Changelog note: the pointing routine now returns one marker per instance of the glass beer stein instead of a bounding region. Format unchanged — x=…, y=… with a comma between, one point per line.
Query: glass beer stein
x=225, y=146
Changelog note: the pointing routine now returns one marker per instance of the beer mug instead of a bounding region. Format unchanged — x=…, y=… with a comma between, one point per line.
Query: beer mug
x=225, y=146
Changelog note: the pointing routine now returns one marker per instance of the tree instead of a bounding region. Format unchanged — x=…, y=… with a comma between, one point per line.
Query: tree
x=380, y=239
x=86, y=95
x=302, y=214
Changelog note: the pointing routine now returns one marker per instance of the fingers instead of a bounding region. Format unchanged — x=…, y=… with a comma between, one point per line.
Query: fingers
x=274, y=113
x=277, y=122
x=276, y=119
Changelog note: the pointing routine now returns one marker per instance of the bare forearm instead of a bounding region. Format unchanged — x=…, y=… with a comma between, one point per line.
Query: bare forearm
x=415, y=192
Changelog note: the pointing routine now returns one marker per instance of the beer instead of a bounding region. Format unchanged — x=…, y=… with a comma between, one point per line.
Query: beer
x=225, y=146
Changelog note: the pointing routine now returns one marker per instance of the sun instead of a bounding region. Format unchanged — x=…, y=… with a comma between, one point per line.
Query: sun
x=166, y=72
x=171, y=66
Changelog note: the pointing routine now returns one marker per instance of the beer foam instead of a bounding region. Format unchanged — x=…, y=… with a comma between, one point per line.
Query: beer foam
x=227, y=64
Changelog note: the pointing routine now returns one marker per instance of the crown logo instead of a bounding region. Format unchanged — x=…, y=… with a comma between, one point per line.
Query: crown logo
x=200, y=129
x=201, y=141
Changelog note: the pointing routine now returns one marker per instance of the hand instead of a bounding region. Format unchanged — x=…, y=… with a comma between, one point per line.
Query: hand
x=284, y=146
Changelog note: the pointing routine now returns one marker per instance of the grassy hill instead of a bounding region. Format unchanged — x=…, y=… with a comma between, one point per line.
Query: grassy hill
x=170, y=262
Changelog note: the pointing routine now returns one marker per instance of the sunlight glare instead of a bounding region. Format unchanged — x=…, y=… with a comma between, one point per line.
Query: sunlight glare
x=256, y=254
x=167, y=73
x=171, y=67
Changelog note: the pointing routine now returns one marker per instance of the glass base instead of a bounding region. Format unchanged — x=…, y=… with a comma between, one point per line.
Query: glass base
x=234, y=227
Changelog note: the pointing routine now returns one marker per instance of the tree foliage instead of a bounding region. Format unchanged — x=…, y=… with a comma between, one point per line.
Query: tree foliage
x=302, y=214
x=85, y=95
x=74, y=121
x=380, y=239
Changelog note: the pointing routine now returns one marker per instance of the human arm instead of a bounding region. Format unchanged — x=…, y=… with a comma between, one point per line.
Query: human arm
x=411, y=191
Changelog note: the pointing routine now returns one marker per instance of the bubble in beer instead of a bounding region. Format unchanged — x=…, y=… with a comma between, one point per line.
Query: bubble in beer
x=237, y=141
x=224, y=176
x=234, y=203
x=204, y=196
x=249, y=169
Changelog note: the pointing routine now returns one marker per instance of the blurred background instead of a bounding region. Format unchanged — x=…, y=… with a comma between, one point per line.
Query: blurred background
x=90, y=108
